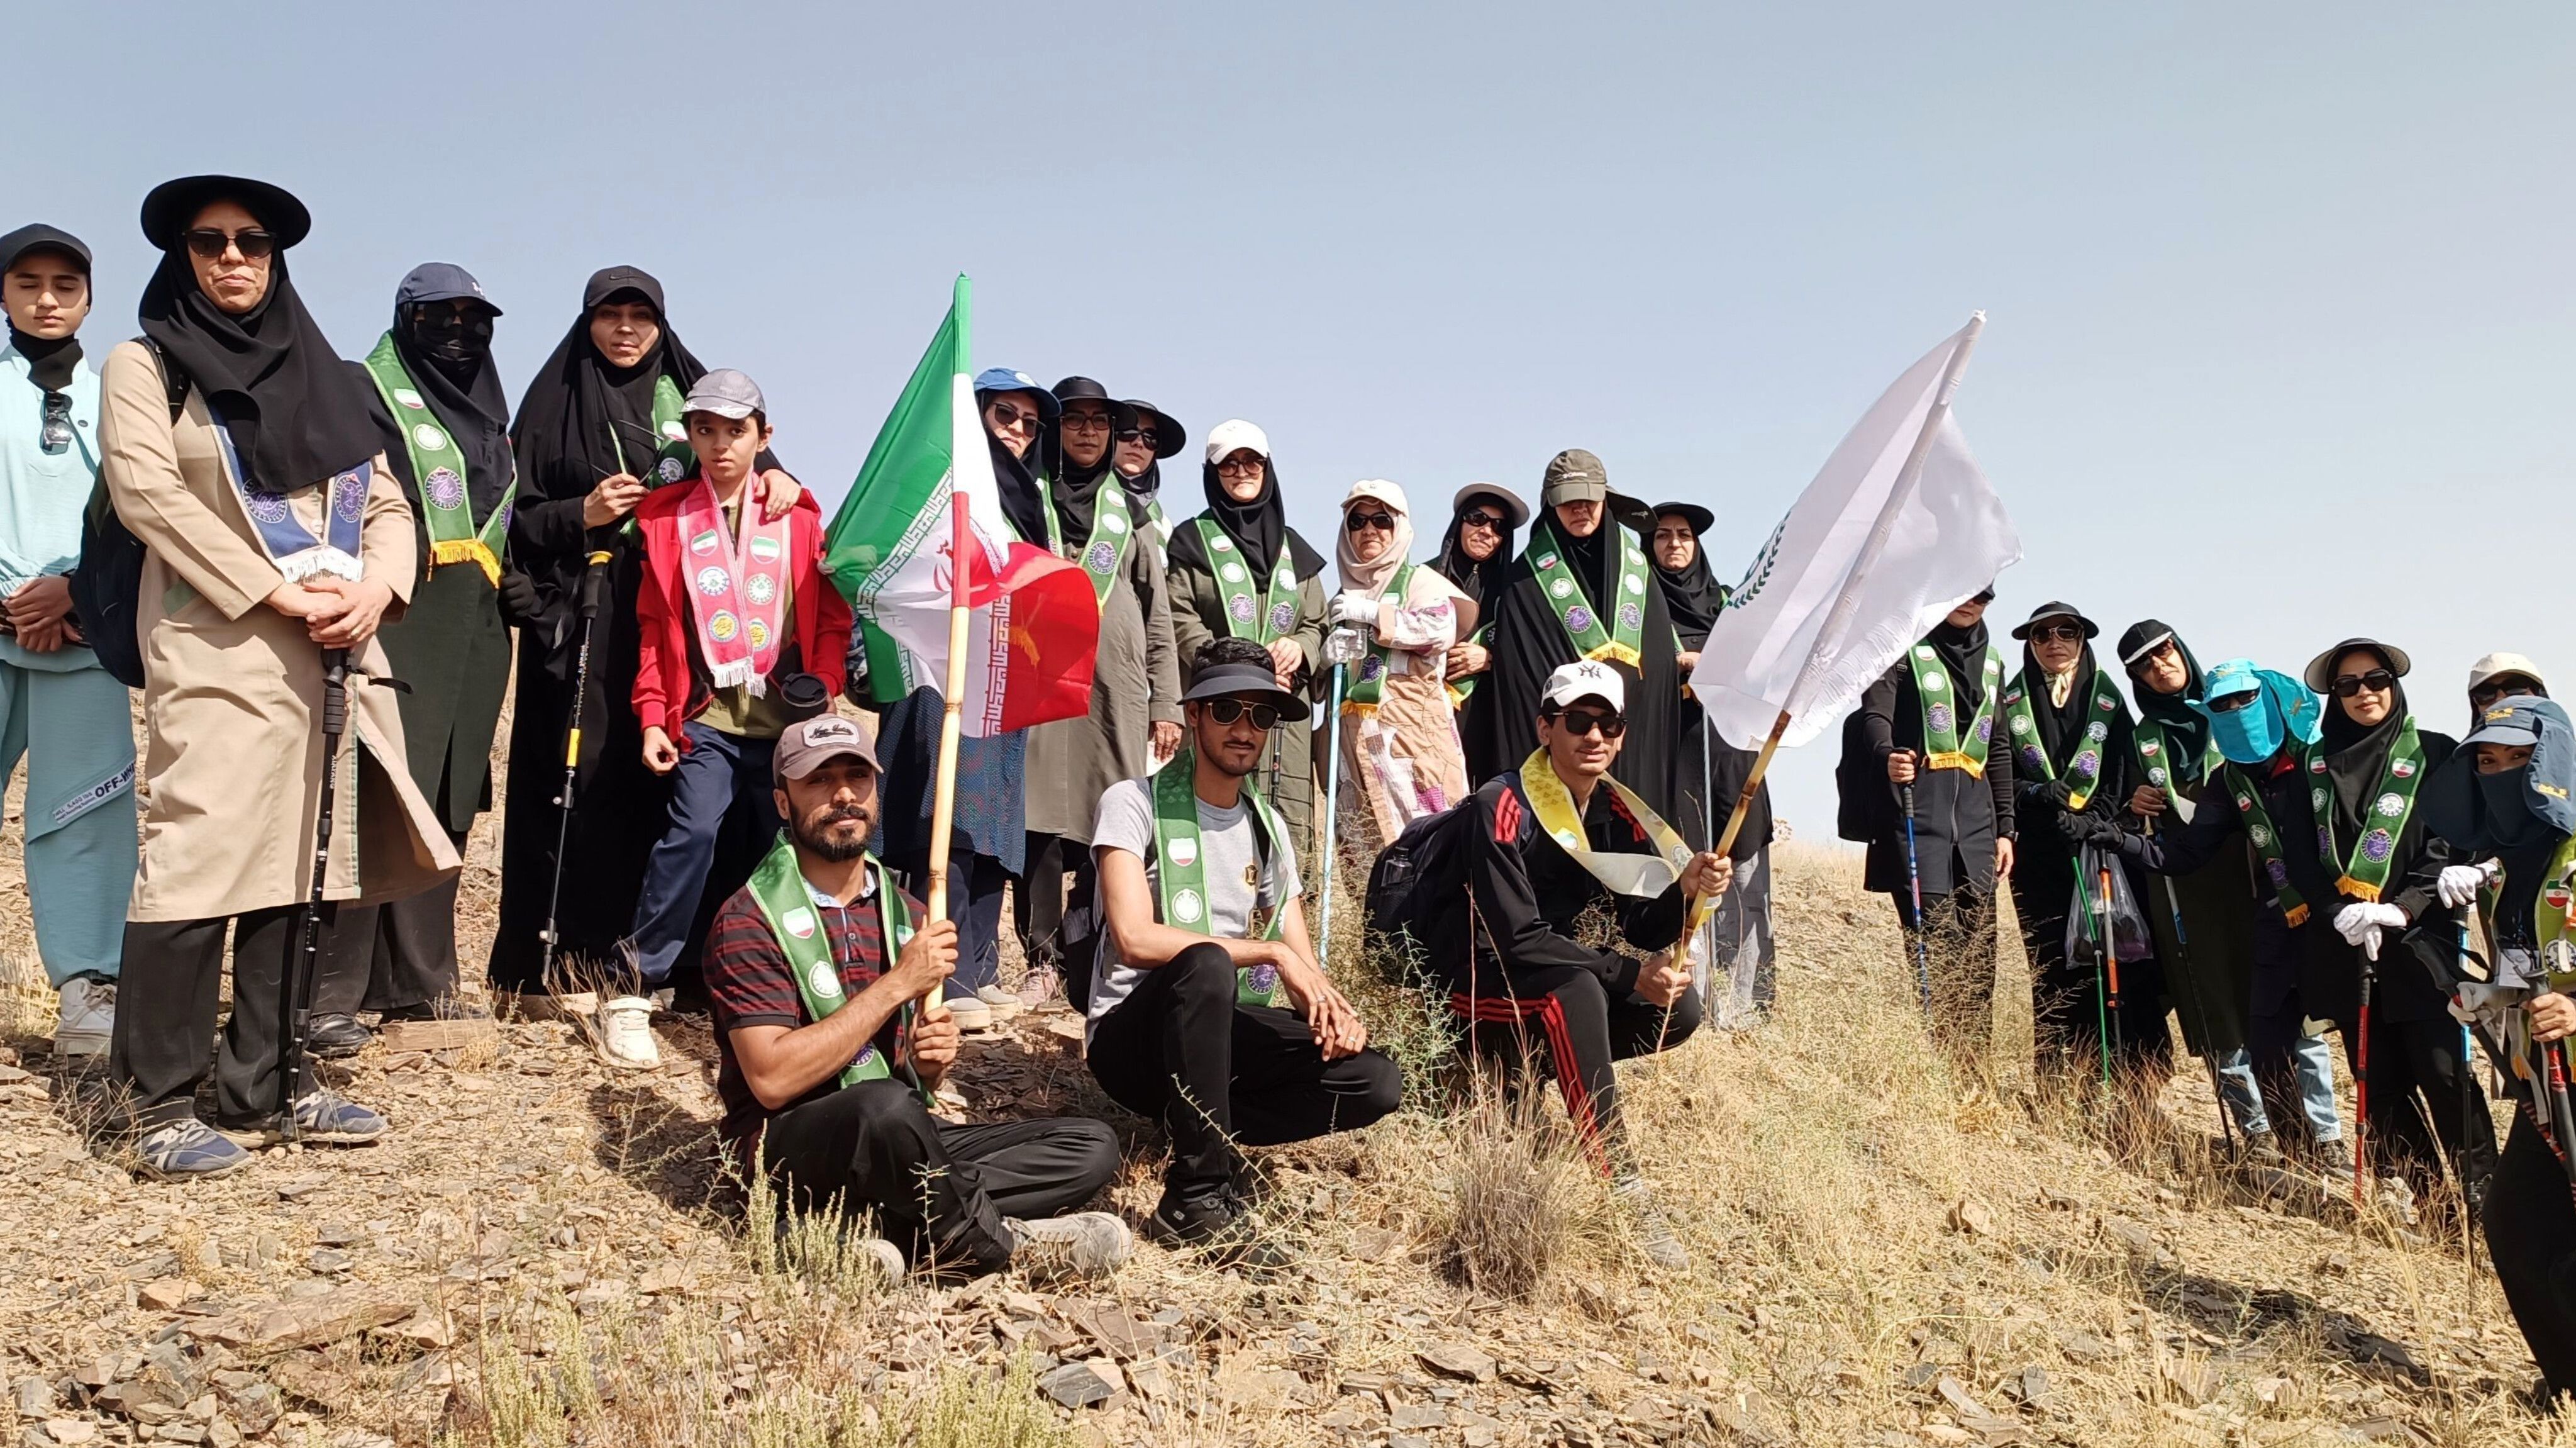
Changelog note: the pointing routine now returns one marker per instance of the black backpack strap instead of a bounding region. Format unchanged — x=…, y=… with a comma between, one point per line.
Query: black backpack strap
x=173, y=381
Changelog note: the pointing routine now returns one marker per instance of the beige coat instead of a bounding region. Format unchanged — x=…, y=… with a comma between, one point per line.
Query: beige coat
x=1135, y=684
x=232, y=764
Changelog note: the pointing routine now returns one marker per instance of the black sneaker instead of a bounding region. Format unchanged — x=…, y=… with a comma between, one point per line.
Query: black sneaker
x=334, y=1036
x=1218, y=1228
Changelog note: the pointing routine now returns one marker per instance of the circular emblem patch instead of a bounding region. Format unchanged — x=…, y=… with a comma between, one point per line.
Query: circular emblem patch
x=1931, y=682
x=1263, y=978
x=705, y=543
x=2031, y=756
x=1186, y=907
x=1578, y=618
x=760, y=588
x=1371, y=667
x=1221, y=543
x=2087, y=762
x=2097, y=731
x=2279, y=872
x=1634, y=583
x=1241, y=607
x=1100, y=557
x=2402, y=768
x=2150, y=748
x=2156, y=775
x=723, y=626
x=2245, y=801
x=1985, y=729
x=2378, y=845
x=713, y=581
x=1631, y=617
x=429, y=438
x=2261, y=835
x=2021, y=724
x=758, y=633
x=349, y=496
x=1111, y=522
x=1231, y=573
x=266, y=507
x=798, y=922
x=2390, y=805
x=764, y=548
x=446, y=489
x=1939, y=715
x=825, y=981
x=2317, y=800
x=1282, y=616
x=2325, y=842
x=409, y=398
x=671, y=470
x=1561, y=587
x=1185, y=852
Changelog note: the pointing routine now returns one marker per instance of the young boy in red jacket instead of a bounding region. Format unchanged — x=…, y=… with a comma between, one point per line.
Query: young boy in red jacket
x=739, y=635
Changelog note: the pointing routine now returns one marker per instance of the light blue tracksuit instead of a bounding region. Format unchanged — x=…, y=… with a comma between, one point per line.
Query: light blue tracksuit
x=66, y=714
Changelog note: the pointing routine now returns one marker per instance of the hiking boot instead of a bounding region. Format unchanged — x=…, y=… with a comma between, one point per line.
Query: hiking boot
x=1218, y=1228
x=970, y=1012
x=2260, y=1148
x=440, y=1025
x=1654, y=1235
x=190, y=1150
x=626, y=1043
x=323, y=1117
x=87, y=1017
x=2333, y=1156
x=1079, y=1244
x=334, y=1036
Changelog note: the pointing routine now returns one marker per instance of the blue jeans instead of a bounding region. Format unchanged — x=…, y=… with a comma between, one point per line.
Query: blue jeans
x=2295, y=1068
x=720, y=796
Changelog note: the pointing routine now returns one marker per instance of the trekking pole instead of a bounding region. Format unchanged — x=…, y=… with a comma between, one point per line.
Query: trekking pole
x=2361, y=1074
x=2199, y=1003
x=2111, y=962
x=2468, y=1116
x=304, y=948
x=2105, y=984
x=594, y=588
x=1914, y=882
x=1332, y=811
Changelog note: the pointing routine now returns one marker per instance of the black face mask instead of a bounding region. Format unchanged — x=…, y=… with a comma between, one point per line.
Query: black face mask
x=445, y=336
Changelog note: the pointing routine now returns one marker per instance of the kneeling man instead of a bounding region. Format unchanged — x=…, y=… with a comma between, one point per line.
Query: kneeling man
x=1553, y=843
x=1208, y=1008
x=815, y=967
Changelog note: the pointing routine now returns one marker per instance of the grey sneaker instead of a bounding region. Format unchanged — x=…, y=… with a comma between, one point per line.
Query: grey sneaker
x=322, y=1118
x=1654, y=1235
x=190, y=1150
x=1079, y=1244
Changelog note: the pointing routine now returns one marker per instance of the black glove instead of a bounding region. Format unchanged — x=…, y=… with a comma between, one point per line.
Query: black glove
x=519, y=606
x=2089, y=829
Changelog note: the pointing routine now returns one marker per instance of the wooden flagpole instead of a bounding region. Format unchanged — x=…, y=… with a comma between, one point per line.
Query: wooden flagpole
x=943, y=808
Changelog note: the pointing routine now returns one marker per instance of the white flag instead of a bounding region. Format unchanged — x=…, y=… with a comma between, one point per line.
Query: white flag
x=1898, y=528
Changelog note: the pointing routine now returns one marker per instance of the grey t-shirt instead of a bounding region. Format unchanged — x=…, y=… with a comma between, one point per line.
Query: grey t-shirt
x=1237, y=877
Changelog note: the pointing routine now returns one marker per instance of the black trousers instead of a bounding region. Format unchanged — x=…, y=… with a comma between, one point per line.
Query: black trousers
x=1959, y=943
x=937, y=1189
x=1580, y=1030
x=2530, y=1217
x=1038, y=904
x=1180, y=1050
x=2418, y=1073
x=165, y=1010
x=400, y=953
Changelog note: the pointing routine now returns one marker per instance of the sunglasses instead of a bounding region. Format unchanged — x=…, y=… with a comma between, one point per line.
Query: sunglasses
x=2485, y=694
x=1490, y=522
x=2230, y=703
x=1579, y=722
x=1240, y=467
x=2072, y=633
x=58, y=421
x=1086, y=421
x=1383, y=522
x=1136, y=434
x=1006, y=417
x=2376, y=681
x=1265, y=717
x=210, y=244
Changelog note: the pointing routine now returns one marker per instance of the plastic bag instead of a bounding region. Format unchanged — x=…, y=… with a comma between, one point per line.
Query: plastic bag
x=2085, y=917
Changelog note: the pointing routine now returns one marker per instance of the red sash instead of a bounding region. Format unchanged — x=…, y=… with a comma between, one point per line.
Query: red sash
x=737, y=587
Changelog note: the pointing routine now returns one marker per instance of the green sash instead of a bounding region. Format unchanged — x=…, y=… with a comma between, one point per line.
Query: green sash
x=1950, y=742
x=1180, y=872
x=1368, y=681
x=1113, y=531
x=787, y=903
x=1461, y=690
x=2156, y=757
x=671, y=459
x=438, y=469
x=2084, y=771
x=2265, y=837
x=2553, y=920
x=2363, y=873
x=1575, y=608
x=1258, y=618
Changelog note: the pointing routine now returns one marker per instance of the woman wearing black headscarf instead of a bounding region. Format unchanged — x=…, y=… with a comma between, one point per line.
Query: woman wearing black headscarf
x=274, y=536
x=2070, y=733
x=1585, y=572
x=2364, y=775
x=1146, y=435
x=598, y=427
x=1239, y=571
x=1476, y=555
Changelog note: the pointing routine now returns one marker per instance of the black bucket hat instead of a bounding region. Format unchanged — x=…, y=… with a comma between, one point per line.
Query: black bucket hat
x=1699, y=518
x=1169, y=436
x=2056, y=608
x=173, y=204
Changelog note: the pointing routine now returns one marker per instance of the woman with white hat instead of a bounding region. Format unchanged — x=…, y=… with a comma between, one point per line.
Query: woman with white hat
x=1399, y=735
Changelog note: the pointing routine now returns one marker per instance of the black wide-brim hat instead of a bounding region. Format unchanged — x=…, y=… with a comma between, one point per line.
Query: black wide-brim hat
x=2055, y=608
x=174, y=204
x=1699, y=518
x=1515, y=511
x=1169, y=436
x=2321, y=676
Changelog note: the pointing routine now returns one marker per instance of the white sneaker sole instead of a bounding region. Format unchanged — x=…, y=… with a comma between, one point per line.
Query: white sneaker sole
x=70, y=1044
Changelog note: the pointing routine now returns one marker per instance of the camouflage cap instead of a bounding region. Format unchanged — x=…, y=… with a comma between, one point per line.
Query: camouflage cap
x=1574, y=476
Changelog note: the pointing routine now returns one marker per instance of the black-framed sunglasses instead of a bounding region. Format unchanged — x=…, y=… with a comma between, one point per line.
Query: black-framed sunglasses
x=1085, y=421
x=2230, y=703
x=58, y=421
x=1006, y=416
x=1491, y=522
x=209, y=243
x=1579, y=722
x=1144, y=435
x=2376, y=681
x=1383, y=522
x=2486, y=694
x=1265, y=717
x=2072, y=633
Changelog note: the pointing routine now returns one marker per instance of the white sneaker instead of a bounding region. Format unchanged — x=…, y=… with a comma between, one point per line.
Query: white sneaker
x=971, y=1012
x=888, y=1260
x=626, y=1034
x=1079, y=1244
x=88, y=1017
x=1005, y=1003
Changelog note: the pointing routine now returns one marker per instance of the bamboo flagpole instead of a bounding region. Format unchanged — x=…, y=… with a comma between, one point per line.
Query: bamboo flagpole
x=943, y=806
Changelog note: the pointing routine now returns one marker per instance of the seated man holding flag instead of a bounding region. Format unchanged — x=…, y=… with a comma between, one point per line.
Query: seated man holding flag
x=814, y=968
x=1211, y=1011
x=1552, y=843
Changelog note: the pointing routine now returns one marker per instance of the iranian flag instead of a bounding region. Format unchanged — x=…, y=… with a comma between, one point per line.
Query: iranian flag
x=925, y=498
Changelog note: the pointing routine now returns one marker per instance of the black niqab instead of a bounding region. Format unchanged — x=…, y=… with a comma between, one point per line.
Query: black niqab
x=295, y=414
x=582, y=419
x=1963, y=654
x=467, y=397
x=1693, y=597
x=50, y=360
x=2186, y=729
x=1260, y=528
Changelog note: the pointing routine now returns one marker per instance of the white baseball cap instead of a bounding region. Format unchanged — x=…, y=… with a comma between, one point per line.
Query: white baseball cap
x=1233, y=436
x=2495, y=664
x=1587, y=678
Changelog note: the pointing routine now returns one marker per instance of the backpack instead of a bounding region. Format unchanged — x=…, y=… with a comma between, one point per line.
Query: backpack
x=1417, y=879
x=107, y=584
x=1860, y=786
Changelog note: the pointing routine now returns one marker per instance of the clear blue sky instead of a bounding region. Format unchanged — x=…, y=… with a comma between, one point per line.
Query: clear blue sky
x=2283, y=336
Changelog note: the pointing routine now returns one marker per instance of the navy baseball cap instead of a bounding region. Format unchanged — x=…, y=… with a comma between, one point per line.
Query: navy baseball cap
x=440, y=281
x=1005, y=379
x=2515, y=720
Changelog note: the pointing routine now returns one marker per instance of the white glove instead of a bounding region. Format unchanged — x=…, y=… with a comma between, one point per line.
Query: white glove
x=2364, y=919
x=1352, y=608
x=2460, y=884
